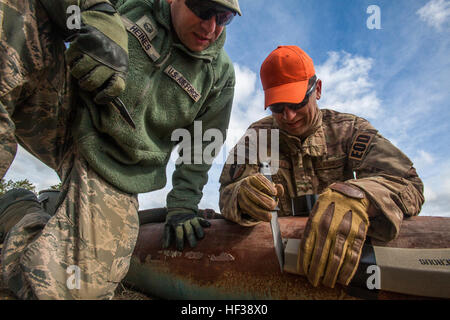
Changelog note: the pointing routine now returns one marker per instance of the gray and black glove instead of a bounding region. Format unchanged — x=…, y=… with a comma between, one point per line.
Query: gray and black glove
x=183, y=223
x=98, y=55
x=98, y=52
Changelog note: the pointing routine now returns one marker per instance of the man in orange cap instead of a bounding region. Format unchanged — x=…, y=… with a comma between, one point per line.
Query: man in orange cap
x=321, y=152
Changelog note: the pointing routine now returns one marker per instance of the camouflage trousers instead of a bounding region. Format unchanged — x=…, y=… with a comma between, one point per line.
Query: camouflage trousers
x=83, y=251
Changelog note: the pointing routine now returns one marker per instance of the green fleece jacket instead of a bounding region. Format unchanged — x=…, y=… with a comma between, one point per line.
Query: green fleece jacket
x=168, y=88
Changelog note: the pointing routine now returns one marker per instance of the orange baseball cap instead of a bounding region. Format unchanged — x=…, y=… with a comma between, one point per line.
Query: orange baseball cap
x=285, y=74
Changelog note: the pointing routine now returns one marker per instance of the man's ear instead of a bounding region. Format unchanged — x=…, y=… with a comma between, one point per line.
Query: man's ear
x=169, y=1
x=318, y=89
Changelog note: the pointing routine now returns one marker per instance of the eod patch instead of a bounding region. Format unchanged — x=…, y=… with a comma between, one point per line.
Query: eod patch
x=360, y=146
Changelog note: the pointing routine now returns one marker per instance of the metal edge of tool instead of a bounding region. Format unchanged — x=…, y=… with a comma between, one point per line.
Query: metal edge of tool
x=422, y=272
x=419, y=272
x=274, y=225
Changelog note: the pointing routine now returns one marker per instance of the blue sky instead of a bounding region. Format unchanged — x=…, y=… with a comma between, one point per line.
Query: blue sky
x=397, y=77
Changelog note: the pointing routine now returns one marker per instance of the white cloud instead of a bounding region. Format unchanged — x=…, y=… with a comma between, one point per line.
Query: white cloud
x=437, y=203
x=423, y=160
x=430, y=194
x=157, y=199
x=436, y=188
x=435, y=13
x=26, y=166
x=245, y=84
x=347, y=86
x=248, y=104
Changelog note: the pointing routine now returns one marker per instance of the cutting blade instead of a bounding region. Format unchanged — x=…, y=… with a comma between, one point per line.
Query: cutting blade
x=120, y=106
x=277, y=239
x=274, y=225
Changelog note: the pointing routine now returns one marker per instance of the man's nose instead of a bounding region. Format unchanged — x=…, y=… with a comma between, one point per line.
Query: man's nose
x=209, y=25
x=288, y=114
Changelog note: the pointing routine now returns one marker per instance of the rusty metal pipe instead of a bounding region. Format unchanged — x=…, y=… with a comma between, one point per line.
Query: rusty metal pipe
x=235, y=262
x=158, y=215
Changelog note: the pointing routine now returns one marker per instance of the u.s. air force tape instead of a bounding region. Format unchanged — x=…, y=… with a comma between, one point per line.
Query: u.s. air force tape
x=360, y=146
x=183, y=83
x=144, y=31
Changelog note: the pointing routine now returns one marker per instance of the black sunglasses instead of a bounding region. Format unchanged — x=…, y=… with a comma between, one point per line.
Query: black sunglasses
x=205, y=10
x=279, y=107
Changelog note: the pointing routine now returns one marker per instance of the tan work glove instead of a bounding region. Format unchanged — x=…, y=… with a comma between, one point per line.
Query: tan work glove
x=256, y=196
x=334, y=236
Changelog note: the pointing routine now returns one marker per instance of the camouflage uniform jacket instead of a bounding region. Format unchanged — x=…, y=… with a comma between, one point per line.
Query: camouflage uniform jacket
x=168, y=88
x=342, y=146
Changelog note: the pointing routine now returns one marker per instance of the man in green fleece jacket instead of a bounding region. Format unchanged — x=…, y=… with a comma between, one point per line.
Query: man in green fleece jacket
x=161, y=61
